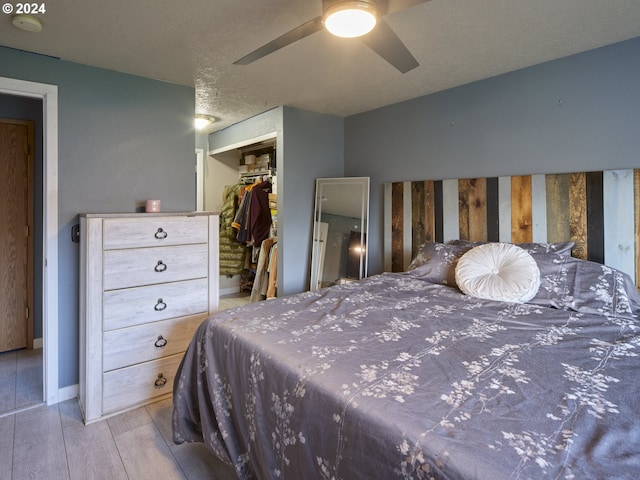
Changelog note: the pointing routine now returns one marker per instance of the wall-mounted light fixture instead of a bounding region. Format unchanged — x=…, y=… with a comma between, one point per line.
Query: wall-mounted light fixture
x=350, y=18
x=203, y=121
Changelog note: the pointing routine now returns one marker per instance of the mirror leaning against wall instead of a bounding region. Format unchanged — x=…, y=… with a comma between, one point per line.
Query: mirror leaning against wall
x=340, y=227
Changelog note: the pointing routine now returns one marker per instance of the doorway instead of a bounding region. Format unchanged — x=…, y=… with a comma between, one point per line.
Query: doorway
x=21, y=365
x=48, y=226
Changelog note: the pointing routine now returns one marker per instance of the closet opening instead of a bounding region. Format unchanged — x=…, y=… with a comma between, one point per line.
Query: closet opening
x=245, y=194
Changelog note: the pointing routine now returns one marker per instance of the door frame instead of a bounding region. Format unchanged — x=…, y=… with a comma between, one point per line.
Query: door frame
x=199, y=179
x=49, y=96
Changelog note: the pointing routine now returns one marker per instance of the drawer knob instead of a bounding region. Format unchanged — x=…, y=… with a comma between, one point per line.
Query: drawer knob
x=160, y=266
x=161, y=342
x=160, y=234
x=160, y=305
x=160, y=381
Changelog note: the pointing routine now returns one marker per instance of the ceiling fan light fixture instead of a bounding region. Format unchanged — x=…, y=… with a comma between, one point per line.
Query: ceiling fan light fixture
x=350, y=18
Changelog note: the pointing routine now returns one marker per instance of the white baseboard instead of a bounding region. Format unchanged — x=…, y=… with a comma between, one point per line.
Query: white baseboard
x=230, y=290
x=229, y=285
x=67, y=393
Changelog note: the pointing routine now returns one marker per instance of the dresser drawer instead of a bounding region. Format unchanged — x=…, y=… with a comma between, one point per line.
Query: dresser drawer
x=154, y=231
x=150, y=341
x=148, y=266
x=140, y=383
x=133, y=306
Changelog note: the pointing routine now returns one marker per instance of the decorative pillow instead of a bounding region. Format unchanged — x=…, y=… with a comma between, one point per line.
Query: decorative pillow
x=498, y=271
x=561, y=248
x=569, y=283
x=436, y=262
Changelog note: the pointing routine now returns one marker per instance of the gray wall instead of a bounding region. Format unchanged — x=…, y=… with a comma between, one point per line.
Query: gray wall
x=579, y=113
x=313, y=148
x=308, y=145
x=23, y=108
x=122, y=139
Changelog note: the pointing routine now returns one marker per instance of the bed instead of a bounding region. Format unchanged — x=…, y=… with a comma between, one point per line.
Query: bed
x=402, y=375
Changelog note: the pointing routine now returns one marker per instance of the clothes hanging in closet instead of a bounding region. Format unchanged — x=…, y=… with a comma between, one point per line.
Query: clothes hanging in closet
x=264, y=284
x=232, y=252
x=253, y=219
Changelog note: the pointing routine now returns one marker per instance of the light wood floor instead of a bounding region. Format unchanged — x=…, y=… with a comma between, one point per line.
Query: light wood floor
x=20, y=379
x=52, y=443
x=233, y=300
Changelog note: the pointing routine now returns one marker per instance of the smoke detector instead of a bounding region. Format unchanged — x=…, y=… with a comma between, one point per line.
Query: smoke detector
x=27, y=22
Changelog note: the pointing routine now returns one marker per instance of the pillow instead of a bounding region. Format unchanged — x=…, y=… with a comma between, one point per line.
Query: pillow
x=562, y=248
x=498, y=271
x=436, y=262
x=569, y=283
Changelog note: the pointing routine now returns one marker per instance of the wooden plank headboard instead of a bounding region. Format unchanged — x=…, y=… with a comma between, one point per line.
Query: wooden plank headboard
x=599, y=211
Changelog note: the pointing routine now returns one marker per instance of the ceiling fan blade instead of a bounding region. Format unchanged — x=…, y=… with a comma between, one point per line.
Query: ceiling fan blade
x=390, y=6
x=386, y=43
x=298, y=33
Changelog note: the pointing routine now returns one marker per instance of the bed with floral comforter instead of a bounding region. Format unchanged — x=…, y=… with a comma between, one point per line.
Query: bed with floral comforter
x=402, y=377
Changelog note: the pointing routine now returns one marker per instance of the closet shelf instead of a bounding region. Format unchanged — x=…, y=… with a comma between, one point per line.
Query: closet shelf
x=256, y=173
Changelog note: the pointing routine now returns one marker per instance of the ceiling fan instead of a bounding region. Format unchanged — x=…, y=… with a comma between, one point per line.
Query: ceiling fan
x=375, y=33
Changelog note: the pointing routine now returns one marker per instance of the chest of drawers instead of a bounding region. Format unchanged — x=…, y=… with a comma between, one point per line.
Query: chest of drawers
x=146, y=282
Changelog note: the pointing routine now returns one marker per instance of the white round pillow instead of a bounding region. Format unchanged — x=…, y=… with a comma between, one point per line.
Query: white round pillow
x=498, y=271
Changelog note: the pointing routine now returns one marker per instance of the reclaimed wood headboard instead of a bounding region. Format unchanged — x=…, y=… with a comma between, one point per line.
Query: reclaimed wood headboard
x=599, y=211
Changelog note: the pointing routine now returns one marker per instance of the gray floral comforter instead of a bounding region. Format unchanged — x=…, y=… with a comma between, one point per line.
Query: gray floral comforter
x=397, y=378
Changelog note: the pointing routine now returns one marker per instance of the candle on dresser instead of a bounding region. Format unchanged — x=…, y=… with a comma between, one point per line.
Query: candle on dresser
x=152, y=206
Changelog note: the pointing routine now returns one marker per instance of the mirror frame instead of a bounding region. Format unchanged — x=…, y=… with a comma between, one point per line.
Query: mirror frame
x=316, y=254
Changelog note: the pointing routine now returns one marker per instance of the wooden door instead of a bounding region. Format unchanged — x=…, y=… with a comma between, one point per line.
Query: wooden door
x=16, y=226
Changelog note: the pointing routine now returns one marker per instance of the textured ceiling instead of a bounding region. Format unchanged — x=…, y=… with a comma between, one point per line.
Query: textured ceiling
x=195, y=43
